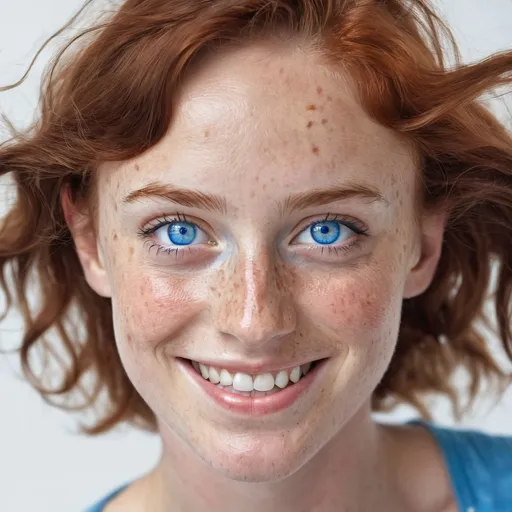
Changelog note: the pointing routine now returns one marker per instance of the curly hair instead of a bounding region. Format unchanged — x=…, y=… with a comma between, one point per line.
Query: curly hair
x=112, y=99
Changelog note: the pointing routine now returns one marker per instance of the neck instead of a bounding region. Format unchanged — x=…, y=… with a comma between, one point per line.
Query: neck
x=351, y=472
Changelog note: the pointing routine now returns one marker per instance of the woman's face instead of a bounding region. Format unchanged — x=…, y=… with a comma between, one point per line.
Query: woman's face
x=271, y=227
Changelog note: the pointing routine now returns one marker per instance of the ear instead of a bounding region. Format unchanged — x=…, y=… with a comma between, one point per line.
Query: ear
x=427, y=255
x=86, y=243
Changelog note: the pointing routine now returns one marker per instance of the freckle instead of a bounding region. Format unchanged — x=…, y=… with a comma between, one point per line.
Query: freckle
x=264, y=186
x=114, y=236
x=324, y=121
x=206, y=134
x=319, y=90
x=146, y=304
x=281, y=71
x=115, y=207
x=397, y=194
x=257, y=179
x=314, y=149
x=311, y=107
x=137, y=168
x=310, y=124
x=329, y=98
x=129, y=338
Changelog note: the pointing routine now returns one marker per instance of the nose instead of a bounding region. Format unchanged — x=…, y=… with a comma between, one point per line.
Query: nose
x=254, y=303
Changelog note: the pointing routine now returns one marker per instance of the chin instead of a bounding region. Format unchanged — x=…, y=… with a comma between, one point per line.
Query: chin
x=257, y=458
x=254, y=466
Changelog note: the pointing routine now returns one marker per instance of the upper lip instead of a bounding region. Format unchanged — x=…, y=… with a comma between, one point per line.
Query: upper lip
x=253, y=368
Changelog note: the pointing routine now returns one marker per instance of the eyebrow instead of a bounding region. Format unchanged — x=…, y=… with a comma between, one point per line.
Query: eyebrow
x=197, y=199
x=320, y=197
x=184, y=197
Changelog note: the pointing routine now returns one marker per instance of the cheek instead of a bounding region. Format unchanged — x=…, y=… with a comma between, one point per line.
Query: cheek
x=150, y=308
x=360, y=308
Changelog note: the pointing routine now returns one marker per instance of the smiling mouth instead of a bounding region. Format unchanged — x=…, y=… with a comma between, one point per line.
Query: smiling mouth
x=262, y=384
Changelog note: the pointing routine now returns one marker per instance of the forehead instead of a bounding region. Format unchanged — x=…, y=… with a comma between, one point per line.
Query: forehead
x=270, y=115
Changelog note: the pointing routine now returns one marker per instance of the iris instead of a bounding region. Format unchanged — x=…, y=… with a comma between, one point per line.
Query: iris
x=181, y=233
x=326, y=232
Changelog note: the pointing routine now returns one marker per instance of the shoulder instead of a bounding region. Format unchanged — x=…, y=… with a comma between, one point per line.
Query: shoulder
x=100, y=505
x=479, y=466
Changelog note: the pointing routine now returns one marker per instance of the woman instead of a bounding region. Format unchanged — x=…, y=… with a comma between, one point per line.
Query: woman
x=256, y=222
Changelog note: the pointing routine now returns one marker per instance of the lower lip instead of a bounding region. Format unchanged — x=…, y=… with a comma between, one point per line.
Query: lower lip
x=254, y=406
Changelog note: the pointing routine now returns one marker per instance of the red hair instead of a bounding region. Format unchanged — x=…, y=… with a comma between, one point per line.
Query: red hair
x=113, y=99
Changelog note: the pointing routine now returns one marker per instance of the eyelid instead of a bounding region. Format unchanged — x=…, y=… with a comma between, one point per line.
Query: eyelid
x=156, y=223
x=356, y=225
x=193, y=253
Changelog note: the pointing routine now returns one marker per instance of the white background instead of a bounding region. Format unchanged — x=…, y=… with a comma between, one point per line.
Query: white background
x=44, y=465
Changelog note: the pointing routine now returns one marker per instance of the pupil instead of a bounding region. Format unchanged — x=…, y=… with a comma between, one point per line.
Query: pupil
x=326, y=232
x=182, y=233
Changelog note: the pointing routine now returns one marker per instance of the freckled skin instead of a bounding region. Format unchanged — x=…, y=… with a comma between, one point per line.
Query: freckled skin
x=254, y=295
x=254, y=304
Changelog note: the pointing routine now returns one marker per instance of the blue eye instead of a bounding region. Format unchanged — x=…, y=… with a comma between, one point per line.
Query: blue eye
x=325, y=233
x=180, y=233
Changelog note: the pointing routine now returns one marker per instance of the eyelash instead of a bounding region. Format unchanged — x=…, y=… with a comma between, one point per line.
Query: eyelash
x=146, y=231
x=358, y=228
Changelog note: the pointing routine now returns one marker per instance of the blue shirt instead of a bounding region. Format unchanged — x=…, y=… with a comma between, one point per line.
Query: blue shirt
x=479, y=465
x=480, y=468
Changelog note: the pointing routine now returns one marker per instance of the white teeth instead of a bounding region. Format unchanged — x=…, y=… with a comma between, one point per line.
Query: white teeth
x=214, y=375
x=282, y=379
x=264, y=382
x=305, y=368
x=242, y=382
x=204, y=371
x=295, y=374
x=226, y=379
